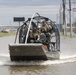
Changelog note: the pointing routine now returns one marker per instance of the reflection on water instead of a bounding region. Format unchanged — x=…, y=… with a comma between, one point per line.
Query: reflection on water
x=26, y=70
x=34, y=70
x=59, y=69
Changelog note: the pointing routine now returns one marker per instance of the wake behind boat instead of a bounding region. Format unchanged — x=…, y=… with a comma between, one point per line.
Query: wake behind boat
x=39, y=39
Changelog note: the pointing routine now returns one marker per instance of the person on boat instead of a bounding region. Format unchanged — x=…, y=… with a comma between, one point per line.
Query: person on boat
x=33, y=34
x=45, y=27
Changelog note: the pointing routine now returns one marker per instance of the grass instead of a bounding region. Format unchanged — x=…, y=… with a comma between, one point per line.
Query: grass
x=68, y=36
x=7, y=34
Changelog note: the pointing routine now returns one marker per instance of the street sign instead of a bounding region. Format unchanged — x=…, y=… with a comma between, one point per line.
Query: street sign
x=19, y=19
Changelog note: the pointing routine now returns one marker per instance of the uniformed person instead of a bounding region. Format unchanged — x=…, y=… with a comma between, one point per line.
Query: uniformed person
x=45, y=27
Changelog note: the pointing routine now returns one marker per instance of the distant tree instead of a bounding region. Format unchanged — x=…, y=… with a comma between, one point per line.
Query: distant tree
x=74, y=24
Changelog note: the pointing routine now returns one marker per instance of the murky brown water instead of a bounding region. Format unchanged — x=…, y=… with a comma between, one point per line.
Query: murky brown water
x=65, y=66
x=59, y=69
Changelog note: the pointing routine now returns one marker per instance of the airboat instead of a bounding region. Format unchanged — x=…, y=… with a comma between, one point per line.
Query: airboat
x=39, y=48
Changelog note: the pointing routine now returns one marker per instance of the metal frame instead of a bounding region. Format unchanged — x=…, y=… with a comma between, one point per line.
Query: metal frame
x=37, y=17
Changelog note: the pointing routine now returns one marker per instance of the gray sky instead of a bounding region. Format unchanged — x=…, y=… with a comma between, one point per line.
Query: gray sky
x=26, y=8
x=28, y=2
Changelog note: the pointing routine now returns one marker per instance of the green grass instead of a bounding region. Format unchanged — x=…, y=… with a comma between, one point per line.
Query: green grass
x=68, y=36
x=7, y=34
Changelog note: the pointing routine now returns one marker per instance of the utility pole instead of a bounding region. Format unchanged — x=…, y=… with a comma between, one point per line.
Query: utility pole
x=60, y=18
x=57, y=18
x=64, y=20
x=70, y=18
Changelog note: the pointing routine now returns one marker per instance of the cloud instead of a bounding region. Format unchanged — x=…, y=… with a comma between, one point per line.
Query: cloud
x=7, y=13
x=27, y=10
x=28, y=2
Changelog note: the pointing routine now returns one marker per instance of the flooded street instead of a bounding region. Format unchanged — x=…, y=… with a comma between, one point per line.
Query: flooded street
x=35, y=21
x=4, y=42
x=60, y=69
x=66, y=64
x=68, y=47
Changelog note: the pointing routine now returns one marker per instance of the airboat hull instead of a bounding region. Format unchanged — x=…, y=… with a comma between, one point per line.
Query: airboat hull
x=31, y=52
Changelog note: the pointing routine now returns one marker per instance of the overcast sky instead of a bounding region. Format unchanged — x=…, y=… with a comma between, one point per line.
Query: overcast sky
x=26, y=8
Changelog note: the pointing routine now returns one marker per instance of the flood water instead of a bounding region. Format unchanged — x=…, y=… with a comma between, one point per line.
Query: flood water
x=65, y=66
